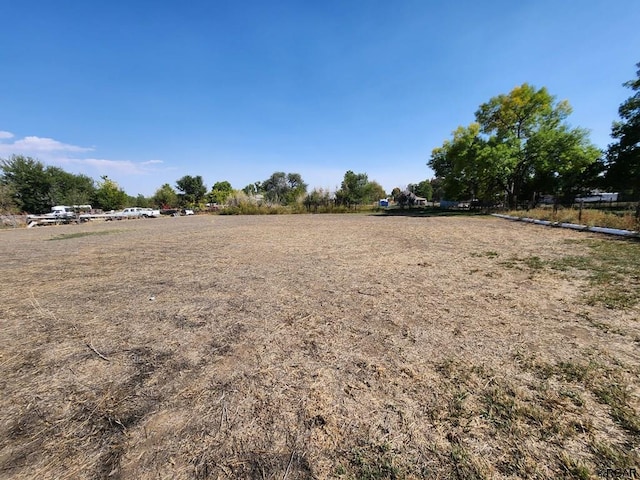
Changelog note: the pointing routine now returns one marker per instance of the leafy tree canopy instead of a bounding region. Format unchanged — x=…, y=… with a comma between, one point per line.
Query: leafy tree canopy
x=283, y=188
x=353, y=189
x=28, y=180
x=109, y=195
x=375, y=191
x=219, y=192
x=623, y=156
x=422, y=189
x=69, y=189
x=165, y=197
x=517, y=141
x=192, y=189
x=140, y=201
x=35, y=188
x=253, y=189
x=437, y=186
x=356, y=189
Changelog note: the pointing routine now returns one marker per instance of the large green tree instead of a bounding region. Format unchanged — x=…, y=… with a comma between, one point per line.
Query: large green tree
x=517, y=141
x=36, y=188
x=220, y=192
x=297, y=187
x=422, y=189
x=375, y=191
x=29, y=182
x=465, y=165
x=275, y=187
x=109, y=195
x=165, y=197
x=623, y=156
x=353, y=189
x=70, y=189
x=284, y=188
x=192, y=189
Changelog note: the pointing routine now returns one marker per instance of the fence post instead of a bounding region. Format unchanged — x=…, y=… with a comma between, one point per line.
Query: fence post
x=580, y=211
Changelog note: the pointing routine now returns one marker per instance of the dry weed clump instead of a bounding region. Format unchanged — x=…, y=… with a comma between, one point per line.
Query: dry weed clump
x=304, y=346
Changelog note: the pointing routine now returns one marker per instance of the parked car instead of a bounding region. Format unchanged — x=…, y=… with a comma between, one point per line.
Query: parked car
x=135, y=212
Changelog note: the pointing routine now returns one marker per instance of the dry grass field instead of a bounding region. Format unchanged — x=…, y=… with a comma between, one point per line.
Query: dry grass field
x=318, y=346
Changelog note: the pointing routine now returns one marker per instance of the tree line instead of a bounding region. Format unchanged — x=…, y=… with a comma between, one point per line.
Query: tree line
x=28, y=185
x=520, y=148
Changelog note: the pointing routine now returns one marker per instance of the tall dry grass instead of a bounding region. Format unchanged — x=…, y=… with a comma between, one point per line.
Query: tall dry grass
x=590, y=217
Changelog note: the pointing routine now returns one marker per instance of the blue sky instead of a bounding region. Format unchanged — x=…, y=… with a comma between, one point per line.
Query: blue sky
x=146, y=92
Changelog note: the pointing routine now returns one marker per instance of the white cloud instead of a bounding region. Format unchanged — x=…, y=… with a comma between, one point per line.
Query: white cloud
x=40, y=144
x=119, y=166
x=36, y=146
x=54, y=152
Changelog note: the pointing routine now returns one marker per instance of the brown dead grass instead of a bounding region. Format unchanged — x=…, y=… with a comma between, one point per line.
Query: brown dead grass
x=310, y=347
x=588, y=216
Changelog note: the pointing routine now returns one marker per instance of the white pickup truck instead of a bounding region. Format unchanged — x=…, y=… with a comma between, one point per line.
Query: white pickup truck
x=136, y=212
x=140, y=212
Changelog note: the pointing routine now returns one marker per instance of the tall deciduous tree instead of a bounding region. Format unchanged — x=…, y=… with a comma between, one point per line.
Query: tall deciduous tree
x=109, y=195
x=69, y=189
x=275, y=187
x=29, y=182
x=36, y=188
x=516, y=138
x=353, y=190
x=465, y=165
x=375, y=191
x=297, y=187
x=284, y=188
x=219, y=192
x=623, y=156
x=165, y=197
x=193, y=189
x=356, y=189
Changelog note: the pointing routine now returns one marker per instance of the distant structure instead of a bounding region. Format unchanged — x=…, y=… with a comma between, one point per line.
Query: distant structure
x=598, y=196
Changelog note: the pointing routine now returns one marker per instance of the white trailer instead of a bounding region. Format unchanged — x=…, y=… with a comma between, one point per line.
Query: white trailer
x=59, y=214
x=597, y=196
